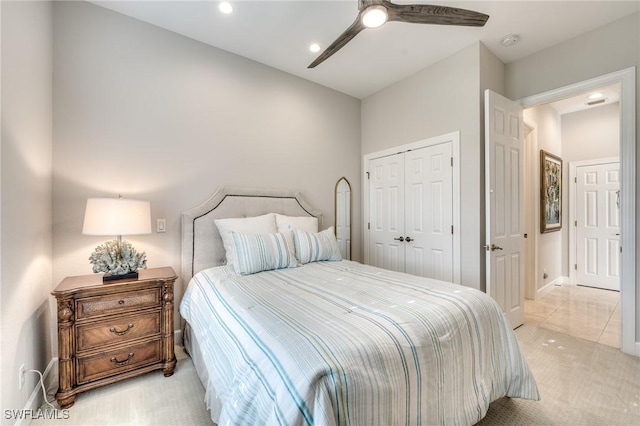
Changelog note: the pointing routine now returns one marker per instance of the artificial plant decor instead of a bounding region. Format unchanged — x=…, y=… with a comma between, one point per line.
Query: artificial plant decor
x=117, y=258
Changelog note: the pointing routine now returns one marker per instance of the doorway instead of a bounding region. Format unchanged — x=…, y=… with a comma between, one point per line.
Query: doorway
x=626, y=79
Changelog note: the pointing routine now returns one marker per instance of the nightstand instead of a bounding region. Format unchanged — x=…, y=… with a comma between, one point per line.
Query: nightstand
x=113, y=331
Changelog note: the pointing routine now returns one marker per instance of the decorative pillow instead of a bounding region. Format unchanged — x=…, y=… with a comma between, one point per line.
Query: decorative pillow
x=306, y=223
x=261, y=252
x=265, y=224
x=313, y=247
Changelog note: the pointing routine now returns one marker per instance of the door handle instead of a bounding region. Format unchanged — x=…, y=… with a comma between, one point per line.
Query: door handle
x=408, y=239
x=399, y=239
x=492, y=247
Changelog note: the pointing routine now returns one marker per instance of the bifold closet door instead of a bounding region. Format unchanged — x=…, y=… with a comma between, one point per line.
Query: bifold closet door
x=429, y=212
x=411, y=212
x=386, y=198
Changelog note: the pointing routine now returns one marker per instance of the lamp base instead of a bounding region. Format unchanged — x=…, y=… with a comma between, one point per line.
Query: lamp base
x=109, y=277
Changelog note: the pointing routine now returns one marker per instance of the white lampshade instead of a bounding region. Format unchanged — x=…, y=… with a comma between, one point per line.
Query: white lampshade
x=116, y=216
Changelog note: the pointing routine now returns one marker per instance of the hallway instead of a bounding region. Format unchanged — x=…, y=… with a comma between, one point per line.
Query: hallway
x=585, y=312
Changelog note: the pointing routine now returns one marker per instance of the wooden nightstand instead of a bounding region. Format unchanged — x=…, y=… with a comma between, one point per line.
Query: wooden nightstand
x=112, y=331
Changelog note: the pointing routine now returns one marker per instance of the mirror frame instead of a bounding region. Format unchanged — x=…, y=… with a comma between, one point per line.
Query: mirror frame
x=335, y=211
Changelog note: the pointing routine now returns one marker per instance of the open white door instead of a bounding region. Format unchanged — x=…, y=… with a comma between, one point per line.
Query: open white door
x=504, y=189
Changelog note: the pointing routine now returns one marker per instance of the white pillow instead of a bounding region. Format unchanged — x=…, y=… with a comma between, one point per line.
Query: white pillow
x=306, y=223
x=265, y=224
x=313, y=247
x=261, y=252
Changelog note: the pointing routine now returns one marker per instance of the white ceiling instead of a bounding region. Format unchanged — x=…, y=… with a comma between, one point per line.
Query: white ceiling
x=278, y=34
x=610, y=95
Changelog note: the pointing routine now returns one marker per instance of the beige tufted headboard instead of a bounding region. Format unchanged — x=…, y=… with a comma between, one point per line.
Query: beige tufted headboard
x=201, y=242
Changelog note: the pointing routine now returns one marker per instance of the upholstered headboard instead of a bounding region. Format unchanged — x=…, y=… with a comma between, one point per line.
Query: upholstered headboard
x=201, y=242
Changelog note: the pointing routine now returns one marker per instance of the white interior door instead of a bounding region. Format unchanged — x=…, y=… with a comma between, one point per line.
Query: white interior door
x=598, y=225
x=386, y=210
x=504, y=189
x=429, y=212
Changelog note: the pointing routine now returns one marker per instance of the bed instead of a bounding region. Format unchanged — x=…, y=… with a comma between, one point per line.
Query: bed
x=334, y=341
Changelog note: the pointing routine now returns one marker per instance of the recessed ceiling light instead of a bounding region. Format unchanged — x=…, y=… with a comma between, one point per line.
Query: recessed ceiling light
x=595, y=95
x=510, y=39
x=225, y=7
x=314, y=47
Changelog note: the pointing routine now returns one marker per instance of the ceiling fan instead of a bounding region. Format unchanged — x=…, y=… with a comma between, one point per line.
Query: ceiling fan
x=374, y=13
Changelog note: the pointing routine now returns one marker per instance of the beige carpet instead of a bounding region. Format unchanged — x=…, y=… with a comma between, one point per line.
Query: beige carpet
x=150, y=399
x=581, y=382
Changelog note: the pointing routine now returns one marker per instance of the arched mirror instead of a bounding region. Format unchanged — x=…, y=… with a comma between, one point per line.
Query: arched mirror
x=343, y=216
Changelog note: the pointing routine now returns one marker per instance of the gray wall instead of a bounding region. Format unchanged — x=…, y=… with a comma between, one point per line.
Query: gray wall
x=27, y=309
x=591, y=134
x=607, y=49
x=146, y=113
x=586, y=135
x=550, y=248
x=441, y=99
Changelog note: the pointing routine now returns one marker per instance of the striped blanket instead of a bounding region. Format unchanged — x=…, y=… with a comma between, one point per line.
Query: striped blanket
x=345, y=343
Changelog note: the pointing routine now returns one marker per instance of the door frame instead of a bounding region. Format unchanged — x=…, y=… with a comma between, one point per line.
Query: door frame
x=573, y=214
x=533, y=224
x=454, y=139
x=627, y=80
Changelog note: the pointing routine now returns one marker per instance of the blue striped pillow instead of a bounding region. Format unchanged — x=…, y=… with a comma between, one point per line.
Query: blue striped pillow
x=317, y=246
x=261, y=252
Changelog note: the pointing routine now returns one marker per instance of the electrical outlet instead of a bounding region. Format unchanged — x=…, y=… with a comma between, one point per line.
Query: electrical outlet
x=21, y=372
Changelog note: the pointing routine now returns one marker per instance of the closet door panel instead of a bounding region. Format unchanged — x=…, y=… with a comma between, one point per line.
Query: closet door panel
x=429, y=214
x=387, y=199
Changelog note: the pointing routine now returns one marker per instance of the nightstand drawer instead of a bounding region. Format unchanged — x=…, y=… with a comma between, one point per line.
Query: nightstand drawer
x=117, y=329
x=119, y=361
x=114, y=303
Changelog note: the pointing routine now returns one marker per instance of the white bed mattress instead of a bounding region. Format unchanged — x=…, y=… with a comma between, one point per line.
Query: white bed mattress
x=345, y=343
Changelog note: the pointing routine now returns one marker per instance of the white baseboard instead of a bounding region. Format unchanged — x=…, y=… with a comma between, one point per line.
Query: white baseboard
x=177, y=337
x=547, y=288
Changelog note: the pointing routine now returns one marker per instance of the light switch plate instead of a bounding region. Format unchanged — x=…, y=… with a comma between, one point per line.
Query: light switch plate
x=161, y=225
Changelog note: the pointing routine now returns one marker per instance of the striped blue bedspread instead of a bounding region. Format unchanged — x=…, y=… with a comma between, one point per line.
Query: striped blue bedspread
x=345, y=343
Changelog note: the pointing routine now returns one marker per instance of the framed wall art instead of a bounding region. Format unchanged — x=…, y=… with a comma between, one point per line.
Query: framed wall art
x=550, y=192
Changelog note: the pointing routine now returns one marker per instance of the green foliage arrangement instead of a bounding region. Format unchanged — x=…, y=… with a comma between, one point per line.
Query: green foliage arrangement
x=117, y=258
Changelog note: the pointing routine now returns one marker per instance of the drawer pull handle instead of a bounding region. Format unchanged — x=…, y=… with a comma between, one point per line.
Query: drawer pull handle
x=121, y=363
x=123, y=332
x=120, y=302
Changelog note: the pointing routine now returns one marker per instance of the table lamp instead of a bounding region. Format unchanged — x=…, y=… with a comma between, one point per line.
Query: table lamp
x=117, y=216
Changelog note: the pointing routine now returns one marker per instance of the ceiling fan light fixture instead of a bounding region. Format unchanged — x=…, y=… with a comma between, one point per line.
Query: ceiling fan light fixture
x=225, y=7
x=374, y=16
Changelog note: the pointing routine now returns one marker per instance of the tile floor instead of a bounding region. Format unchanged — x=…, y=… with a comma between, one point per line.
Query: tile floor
x=585, y=312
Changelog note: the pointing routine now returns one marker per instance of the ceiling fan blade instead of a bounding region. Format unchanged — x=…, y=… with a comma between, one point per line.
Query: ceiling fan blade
x=339, y=43
x=430, y=14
